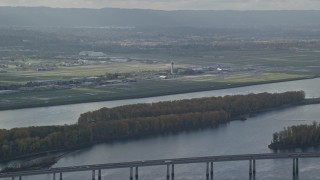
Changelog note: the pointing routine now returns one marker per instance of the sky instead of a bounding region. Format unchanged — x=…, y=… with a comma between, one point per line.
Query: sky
x=174, y=4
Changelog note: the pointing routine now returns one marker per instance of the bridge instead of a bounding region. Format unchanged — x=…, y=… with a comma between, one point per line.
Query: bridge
x=169, y=163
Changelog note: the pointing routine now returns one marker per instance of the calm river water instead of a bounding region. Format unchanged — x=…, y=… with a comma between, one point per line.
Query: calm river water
x=238, y=137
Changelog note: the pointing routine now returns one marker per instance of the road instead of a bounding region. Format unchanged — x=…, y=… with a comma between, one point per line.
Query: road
x=160, y=162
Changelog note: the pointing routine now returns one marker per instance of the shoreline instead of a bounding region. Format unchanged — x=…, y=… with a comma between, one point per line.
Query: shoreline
x=242, y=117
x=132, y=96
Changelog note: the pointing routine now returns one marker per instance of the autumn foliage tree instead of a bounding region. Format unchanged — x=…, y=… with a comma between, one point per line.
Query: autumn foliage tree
x=300, y=136
x=137, y=120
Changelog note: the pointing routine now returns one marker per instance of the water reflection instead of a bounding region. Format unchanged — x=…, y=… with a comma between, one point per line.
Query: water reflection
x=68, y=114
x=237, y=137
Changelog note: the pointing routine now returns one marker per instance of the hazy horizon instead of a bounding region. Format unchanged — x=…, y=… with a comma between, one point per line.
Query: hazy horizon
x=171, y=5
x=124, y=8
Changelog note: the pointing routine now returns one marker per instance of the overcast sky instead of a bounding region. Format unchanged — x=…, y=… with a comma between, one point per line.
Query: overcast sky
x=174, y=4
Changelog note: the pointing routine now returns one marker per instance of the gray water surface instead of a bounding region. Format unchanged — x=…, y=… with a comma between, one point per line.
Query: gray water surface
x=69, y=114
x=237, y=137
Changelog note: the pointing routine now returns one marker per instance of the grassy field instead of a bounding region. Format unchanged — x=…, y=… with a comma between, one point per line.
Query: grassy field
x=291, y=62
x=94, y=70
x=309, y=60
x=13, y=76
x=145, y=88
x=272, y=67
x=243, y=78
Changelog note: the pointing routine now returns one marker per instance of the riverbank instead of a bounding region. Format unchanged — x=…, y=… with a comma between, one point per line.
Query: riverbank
x=44, y=162
x=33, y=161
x=137, y=120
x=138, y=90
x=308, y=101
x=305, y=102
x=300, y=136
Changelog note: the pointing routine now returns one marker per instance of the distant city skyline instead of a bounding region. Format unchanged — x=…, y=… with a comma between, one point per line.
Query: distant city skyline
x=173, y=4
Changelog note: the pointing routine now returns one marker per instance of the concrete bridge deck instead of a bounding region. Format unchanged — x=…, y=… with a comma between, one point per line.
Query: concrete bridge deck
x=209, y=160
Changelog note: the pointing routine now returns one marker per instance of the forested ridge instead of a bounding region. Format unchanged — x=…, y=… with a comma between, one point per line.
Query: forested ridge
x=131, y=121
x=301, y=136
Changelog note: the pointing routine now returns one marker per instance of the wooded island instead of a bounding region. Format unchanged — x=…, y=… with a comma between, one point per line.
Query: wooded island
x=138, y=120
x=301, y=136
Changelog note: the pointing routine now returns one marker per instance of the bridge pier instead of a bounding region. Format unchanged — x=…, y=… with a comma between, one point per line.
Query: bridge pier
x=61, y=176
x=207, y=171
x=137, y=173
x=168, y=172
x=250, y=167
x=211, y=171
x=254, y=167
x=295, y=167
x=172, y=172
x=20, y=177
x=93, y=175
x=99, y=174
x=131, y=173
x=54, y=176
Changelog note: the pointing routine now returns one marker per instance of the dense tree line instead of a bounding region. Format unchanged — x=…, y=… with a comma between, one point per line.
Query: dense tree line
x=300, y=136
x=137, y=120
x=235, y=105
x=22, y=141
x=153, y=125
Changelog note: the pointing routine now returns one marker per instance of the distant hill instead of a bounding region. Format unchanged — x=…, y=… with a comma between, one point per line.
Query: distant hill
x=44, y=17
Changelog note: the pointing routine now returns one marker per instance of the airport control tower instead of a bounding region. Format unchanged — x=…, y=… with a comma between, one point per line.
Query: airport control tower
x=172, y=70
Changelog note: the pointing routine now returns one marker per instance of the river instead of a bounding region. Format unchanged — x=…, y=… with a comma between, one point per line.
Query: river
x=237, y=137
